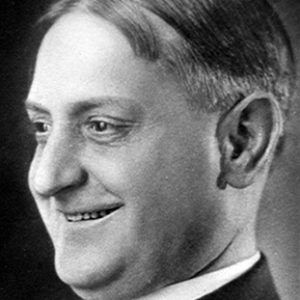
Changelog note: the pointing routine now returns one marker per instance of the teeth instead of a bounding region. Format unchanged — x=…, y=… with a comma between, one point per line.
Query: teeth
x=94, y=215
x=102, y=213
x=88, y=216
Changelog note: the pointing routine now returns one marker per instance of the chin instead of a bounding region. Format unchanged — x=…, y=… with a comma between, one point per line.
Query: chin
x=89, y=277
x=93, y=279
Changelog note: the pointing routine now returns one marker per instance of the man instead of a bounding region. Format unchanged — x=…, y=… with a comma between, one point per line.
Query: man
x=156, y=125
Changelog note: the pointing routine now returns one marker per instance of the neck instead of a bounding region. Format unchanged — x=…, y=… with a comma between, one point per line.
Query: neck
x=242, y=246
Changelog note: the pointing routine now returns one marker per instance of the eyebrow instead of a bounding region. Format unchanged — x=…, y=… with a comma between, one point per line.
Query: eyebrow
x=36, y=107
x=79, y=107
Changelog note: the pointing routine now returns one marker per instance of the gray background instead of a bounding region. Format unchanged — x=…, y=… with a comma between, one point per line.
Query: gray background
x=279, y=223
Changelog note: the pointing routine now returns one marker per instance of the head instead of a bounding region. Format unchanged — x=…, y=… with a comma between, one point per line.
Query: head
x=156, y=124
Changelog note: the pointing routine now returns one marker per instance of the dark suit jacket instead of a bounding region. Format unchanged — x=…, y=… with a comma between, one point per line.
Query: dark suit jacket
x=256, y=284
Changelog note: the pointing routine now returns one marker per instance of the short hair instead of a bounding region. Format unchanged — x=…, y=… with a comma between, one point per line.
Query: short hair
x=224, y=50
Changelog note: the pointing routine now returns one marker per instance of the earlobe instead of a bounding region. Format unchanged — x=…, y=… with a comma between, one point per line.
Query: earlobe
x=247, y=136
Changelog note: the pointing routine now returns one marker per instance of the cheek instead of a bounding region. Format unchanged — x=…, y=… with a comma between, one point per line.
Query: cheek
x=158, y=181
x=163, y=170
x=126, y=173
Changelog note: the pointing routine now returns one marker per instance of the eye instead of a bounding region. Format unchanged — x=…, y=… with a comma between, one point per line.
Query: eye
x=41, y=130
x=106, y=131
x=103, y=128
x=100, y=126
x=41, y=127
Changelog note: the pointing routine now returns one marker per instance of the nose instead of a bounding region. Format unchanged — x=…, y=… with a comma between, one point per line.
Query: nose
x=57, y=168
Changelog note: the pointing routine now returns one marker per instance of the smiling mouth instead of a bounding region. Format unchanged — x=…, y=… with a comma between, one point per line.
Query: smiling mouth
x=88, y=216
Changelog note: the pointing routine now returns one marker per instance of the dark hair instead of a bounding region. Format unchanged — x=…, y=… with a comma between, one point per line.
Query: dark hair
x=223, y=50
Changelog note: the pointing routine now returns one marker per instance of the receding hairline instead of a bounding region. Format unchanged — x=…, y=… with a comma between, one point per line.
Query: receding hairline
x=158, y=31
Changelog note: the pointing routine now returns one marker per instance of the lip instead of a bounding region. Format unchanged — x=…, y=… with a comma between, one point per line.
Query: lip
x=89, y=214
x=90, y=209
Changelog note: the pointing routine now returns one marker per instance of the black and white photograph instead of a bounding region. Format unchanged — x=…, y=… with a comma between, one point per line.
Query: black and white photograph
x=150, y=150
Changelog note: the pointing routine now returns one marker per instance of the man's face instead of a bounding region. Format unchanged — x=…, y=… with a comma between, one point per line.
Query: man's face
x=123, y=174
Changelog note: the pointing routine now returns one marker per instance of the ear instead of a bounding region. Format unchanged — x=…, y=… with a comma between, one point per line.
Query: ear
x=247, y=136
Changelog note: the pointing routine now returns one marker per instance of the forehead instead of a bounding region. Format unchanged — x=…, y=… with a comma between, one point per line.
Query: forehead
x=82, y=54
x=85, y=36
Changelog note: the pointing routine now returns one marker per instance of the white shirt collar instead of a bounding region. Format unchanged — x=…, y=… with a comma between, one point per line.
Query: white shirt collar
x=200, y=286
